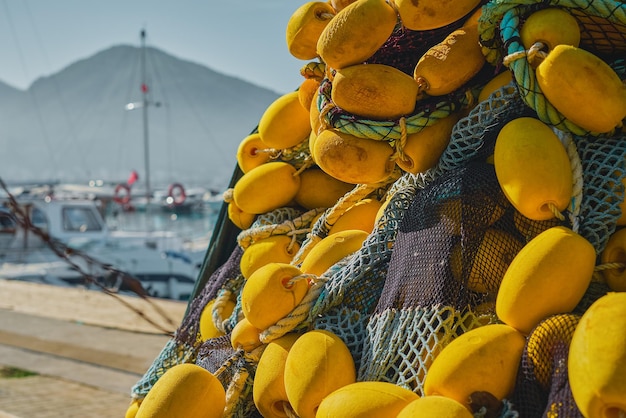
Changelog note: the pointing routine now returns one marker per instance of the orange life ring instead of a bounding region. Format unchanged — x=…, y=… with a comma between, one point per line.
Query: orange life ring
x=122, y=199
x=176, y=192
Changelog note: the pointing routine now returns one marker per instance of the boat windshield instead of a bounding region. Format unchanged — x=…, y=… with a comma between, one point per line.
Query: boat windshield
x=7, y=223
x=79, y=219
x=38, y=219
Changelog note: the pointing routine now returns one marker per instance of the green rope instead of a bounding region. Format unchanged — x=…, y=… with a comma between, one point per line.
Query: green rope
x=506, y=16
x=492, y=13
x=527, y=81
x=427, y=113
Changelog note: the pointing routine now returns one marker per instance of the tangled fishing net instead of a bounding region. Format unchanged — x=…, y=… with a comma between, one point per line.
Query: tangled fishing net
x=431, y=268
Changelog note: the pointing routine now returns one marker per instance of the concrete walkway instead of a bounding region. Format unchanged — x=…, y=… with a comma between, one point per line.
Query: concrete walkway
x=83, y=368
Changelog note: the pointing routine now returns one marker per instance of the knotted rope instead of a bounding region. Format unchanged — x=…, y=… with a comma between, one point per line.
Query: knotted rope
x=506, y=16
x=428, y=112
x=292, y=228
x=300, y=313
x=331, y=215
x=219, y=306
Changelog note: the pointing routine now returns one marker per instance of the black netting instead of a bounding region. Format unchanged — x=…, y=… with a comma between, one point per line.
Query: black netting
x=189, y=329
x=542, y=388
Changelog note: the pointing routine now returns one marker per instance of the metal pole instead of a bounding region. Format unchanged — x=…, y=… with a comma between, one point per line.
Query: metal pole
x=146, y=142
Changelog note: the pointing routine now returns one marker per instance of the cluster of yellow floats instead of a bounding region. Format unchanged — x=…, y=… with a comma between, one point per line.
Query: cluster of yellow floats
x=313, y=373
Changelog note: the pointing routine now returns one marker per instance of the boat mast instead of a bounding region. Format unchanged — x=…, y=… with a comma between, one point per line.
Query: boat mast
x=146, y=142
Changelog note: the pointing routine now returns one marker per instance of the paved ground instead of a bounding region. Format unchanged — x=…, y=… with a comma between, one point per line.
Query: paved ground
x=83, y=369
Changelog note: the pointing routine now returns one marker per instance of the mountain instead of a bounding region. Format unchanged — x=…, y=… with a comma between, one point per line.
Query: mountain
x=73, y=126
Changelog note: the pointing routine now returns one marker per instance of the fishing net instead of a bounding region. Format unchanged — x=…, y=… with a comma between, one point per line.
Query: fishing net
x=431, y=268
x=405, y=47
x=603, y=31
x=402, y=51
x=542, y=388
x=184, y=346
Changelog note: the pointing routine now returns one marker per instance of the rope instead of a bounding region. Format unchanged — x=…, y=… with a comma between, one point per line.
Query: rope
x=313, y=70
x=325, y=110
x=577, y=175
x=290, y=413
x=556, y=212
x=289, y=227
x=307, y=163
x=298, y=314
x=492, y=14
x=328, y=219
x=534, y=52
x=238, y=382
x=294, y=234
x=228, y=195
x=606, y=266
x=386, y=130
x=296, y=155
x=273, y=153
x=401, y=143
x=522, y=70
x=219, y=305
x=233, y=393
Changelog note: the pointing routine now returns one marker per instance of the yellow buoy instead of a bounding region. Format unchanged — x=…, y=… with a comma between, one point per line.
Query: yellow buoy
x=308, y=91
x=448, y=65
x=338, y=5
x=319, y=189
x=273, y=249
x=597, y=358
x=285, y=123
x=351, y=159
x=208, y=329
x=271, y=293
x=548, y=276
x=268, y=389
x=361, y=216
x=356, y=33
x=131, y=412
x=374, y=91
x=366, y=399
x=382, y=209
x=266, y=187
x=615, y=252
x=245, y=336
x=584, y=88
x=432, y=14
x=318, y=363
x=435, y=406
x=239, y=218
x=184, y=391
x=484, y=359
x=552, y=334
x=251, y=152
x=331, y=250
x=551, y=26
x=490, y=262
x=424, y=148
x=305, y=26
x=533, y=168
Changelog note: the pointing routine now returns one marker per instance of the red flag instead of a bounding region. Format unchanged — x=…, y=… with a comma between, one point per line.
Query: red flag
x=134, y=176
x=144, y=88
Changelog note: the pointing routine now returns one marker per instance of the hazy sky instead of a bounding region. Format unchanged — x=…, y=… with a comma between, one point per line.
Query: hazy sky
x=243, y=38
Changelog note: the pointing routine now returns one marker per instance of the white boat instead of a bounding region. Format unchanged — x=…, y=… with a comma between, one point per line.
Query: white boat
x=166, y=264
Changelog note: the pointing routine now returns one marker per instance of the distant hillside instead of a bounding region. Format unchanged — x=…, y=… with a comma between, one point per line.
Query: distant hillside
x=73, y=125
